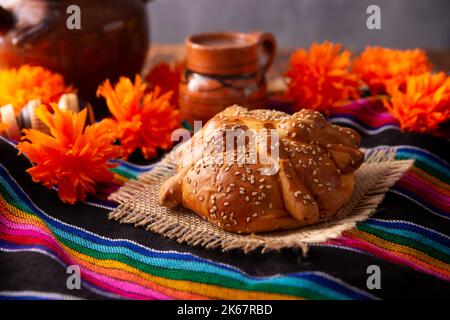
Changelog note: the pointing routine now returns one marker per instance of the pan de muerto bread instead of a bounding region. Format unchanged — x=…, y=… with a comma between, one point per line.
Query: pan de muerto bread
x=300, y=170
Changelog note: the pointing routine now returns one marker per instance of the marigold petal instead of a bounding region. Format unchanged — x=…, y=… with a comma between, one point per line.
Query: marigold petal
x=143, y=119
x=421, y=103
x=380, y=67
x=320, y=77
x=19, y=86
x=167, y=77
x=72, y=157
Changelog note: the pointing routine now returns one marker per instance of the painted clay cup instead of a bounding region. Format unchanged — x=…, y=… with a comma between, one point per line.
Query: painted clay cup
x=223, y=69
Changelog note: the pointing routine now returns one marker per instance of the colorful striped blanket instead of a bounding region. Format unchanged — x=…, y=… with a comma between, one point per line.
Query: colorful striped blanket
x=408, y=239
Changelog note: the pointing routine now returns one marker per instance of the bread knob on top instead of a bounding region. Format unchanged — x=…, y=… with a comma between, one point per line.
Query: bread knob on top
x=299, y=171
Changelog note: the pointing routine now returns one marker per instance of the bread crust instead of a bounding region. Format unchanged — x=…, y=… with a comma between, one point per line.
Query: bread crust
x=315, y=176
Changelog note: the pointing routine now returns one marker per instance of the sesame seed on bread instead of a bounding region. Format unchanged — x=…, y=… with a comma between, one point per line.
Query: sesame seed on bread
x=314, y=178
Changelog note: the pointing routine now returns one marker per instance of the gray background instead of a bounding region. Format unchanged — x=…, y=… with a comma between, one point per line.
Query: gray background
x=405, y=23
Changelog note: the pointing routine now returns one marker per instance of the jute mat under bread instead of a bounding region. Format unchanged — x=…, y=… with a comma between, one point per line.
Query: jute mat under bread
x=139, y=205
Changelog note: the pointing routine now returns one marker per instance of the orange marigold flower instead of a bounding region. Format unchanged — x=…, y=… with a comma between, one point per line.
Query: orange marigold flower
x=167, y=77
x=421, y=103
x=19, y=86
x=378, y=66
x=72, y=157
x=144, y=120
x=320, y=78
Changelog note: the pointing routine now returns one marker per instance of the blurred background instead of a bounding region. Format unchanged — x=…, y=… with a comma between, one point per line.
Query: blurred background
x=297, y=23
x=112, y=38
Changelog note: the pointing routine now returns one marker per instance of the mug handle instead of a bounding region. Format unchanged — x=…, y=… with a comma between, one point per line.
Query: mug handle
x=28, y=33
x=268, y=44
x=7, y=21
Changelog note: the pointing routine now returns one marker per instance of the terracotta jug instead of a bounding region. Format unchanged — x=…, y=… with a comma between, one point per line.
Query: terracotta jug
x=223, y=69
x=113, y=40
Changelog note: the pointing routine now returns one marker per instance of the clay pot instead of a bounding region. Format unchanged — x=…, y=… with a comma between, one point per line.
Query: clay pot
x=223, y=69
x=113, y=40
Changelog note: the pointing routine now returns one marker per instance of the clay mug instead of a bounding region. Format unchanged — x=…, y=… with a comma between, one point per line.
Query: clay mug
x=222, y=69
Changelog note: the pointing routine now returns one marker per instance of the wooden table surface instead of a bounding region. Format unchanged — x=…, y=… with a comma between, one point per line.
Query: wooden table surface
x=164, y=52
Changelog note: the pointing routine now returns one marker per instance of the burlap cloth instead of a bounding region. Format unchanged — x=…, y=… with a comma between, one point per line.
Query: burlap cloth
x=138, y=205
